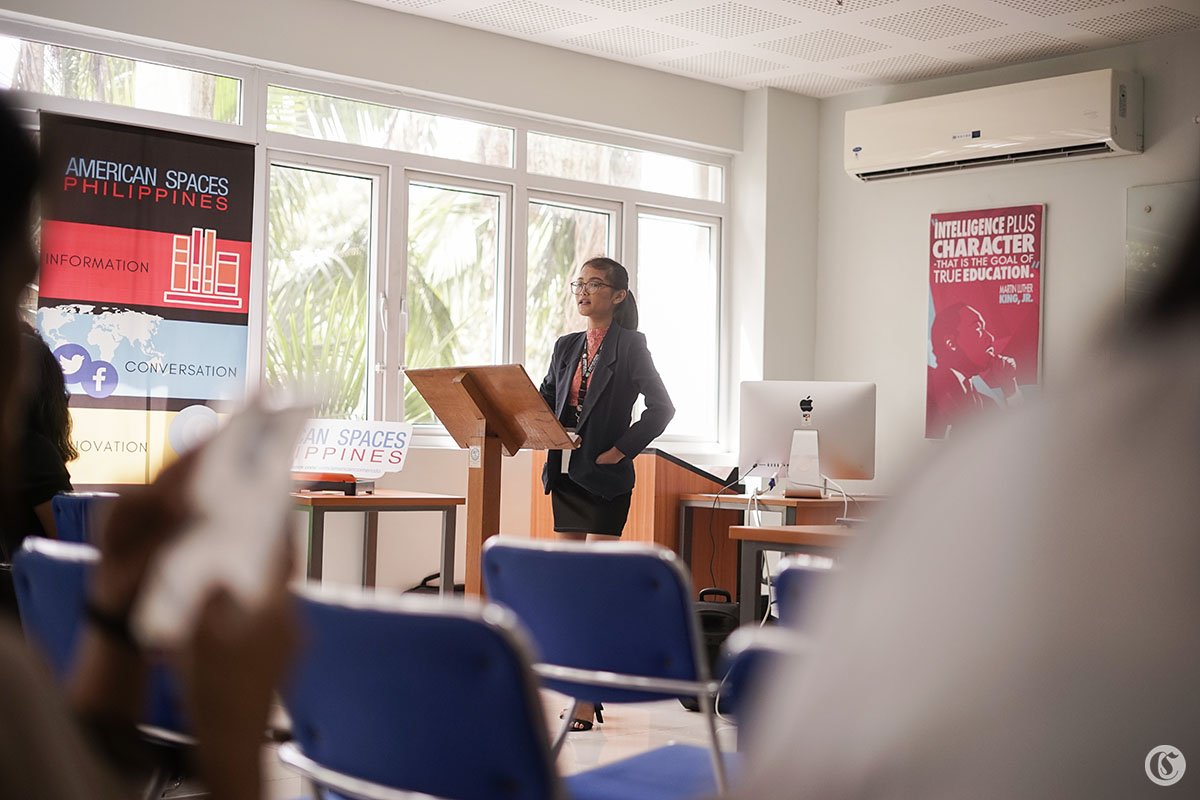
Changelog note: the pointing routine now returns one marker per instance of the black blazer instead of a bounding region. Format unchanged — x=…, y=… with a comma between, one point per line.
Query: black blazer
x=623, y=371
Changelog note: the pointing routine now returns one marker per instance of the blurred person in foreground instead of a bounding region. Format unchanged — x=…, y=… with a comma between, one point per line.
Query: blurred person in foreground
x=86, y=745
x=43, y=444
x=1022, y=621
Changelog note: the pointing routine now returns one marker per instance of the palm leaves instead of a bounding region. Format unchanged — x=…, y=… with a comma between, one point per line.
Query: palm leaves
x=319, y=268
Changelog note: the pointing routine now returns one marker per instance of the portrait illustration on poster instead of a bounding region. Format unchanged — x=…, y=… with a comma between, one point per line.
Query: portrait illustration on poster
x=985, y=299
x=144, y=286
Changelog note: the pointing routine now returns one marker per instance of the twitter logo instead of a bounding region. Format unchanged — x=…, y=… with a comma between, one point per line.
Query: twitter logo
x=71, y=365
x=74, y=360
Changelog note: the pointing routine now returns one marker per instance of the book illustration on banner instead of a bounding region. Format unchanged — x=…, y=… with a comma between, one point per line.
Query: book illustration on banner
x=106, y=350
x=203, y=275
x=179, y=270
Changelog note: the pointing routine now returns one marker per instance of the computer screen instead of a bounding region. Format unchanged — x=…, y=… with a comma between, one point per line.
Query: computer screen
x=842, y=414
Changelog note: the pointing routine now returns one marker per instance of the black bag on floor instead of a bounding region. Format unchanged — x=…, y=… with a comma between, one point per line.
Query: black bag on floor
x=432, y=584
x=718, y=619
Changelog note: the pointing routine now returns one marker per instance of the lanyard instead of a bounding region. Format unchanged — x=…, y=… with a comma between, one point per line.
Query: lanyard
x=586, y=365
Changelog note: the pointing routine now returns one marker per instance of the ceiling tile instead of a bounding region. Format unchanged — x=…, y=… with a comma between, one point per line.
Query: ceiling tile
x=823, y=45
x=909, y=67
x=523, y=16
x=1018, y=47
x=728, y=20
x=629, y=41
x=842, y=7
x=401, y=5
x=738, y=42
x=814, y=84
x=623, y=6
x=1052, y=8
x=722, y=64
x=1144, y=23
x=935, y=22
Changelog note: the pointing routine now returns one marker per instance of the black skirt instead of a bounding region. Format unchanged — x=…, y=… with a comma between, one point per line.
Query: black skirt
x=576, y=510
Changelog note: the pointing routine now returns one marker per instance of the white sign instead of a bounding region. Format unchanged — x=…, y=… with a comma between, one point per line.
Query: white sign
x=365, y=449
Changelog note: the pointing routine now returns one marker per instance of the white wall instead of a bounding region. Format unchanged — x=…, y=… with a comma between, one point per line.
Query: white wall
x=771, y=269
x=342, y=38
x=872, y=289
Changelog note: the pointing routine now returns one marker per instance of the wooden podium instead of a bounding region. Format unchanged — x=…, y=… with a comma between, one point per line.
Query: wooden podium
x=661, y=479
x=486, y=409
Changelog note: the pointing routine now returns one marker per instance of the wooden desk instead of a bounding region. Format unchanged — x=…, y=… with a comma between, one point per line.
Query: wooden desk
x=318, y=504
x=820, y=540
x=720, y=512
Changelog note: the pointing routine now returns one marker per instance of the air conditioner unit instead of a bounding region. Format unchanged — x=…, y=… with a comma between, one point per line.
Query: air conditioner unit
x=1073, y=116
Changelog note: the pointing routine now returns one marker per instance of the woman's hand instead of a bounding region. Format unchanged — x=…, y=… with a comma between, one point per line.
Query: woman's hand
x=231, y=666
x=610, y=456
x=140, y=522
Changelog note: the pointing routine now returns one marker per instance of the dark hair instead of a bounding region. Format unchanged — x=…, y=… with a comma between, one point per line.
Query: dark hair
x=626, y=312
x=45, y=395
x=18, y=265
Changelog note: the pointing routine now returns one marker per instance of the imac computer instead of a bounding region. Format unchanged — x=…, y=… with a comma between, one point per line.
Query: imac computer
x=802, y=432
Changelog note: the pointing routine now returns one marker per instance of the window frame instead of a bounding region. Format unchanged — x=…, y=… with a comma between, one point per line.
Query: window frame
x=615, y=211
x=715, y=225
x=396, y=167
x=376, y=319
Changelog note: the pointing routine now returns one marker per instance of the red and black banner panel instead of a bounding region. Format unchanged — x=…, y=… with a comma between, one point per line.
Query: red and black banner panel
x=146, y=218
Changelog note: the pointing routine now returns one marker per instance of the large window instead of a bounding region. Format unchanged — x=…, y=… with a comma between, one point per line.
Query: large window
x=622, y=166
x=84, y=75
x=397, y=231
x=677, y=296
x=561, y=237
x=454, y=266
x=318, y=283
x=337, y=119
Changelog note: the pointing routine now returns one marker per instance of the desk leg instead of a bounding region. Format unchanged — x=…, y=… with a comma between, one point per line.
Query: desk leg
x=748, y=579
x=370, y=554
x=316, y=543
x=449, y=518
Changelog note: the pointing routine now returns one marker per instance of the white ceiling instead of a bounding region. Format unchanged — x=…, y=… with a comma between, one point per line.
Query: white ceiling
x=817, y=48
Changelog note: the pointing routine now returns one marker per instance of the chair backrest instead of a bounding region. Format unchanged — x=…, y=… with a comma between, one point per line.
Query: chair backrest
x=619, y=608
x=795, y=584
x=748, y=662
x=51, y=578
x=75, y=514
x=419, y=695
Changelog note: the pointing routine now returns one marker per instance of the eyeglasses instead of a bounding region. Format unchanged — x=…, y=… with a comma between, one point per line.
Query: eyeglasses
x=579, y=287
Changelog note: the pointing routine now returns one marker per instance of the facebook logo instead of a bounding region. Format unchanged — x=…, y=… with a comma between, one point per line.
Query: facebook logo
x=98, y=379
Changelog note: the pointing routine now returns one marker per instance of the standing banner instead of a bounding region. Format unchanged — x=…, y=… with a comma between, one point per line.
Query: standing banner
x=144, y=287
x=985, y=312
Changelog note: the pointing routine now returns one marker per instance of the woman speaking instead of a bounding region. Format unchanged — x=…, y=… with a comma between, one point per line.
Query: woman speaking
x=594, y=379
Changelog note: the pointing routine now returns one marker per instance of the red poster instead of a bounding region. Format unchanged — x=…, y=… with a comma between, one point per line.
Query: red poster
x=985, y=301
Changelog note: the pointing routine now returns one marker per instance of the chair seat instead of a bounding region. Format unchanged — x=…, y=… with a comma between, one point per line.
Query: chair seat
x=673, y=772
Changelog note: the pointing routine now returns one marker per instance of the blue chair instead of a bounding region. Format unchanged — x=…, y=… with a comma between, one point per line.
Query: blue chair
x=75, y=514
x=393, y=695
x=50, y=578
x=613, y=624
x=748, y=657
x=796, y=581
